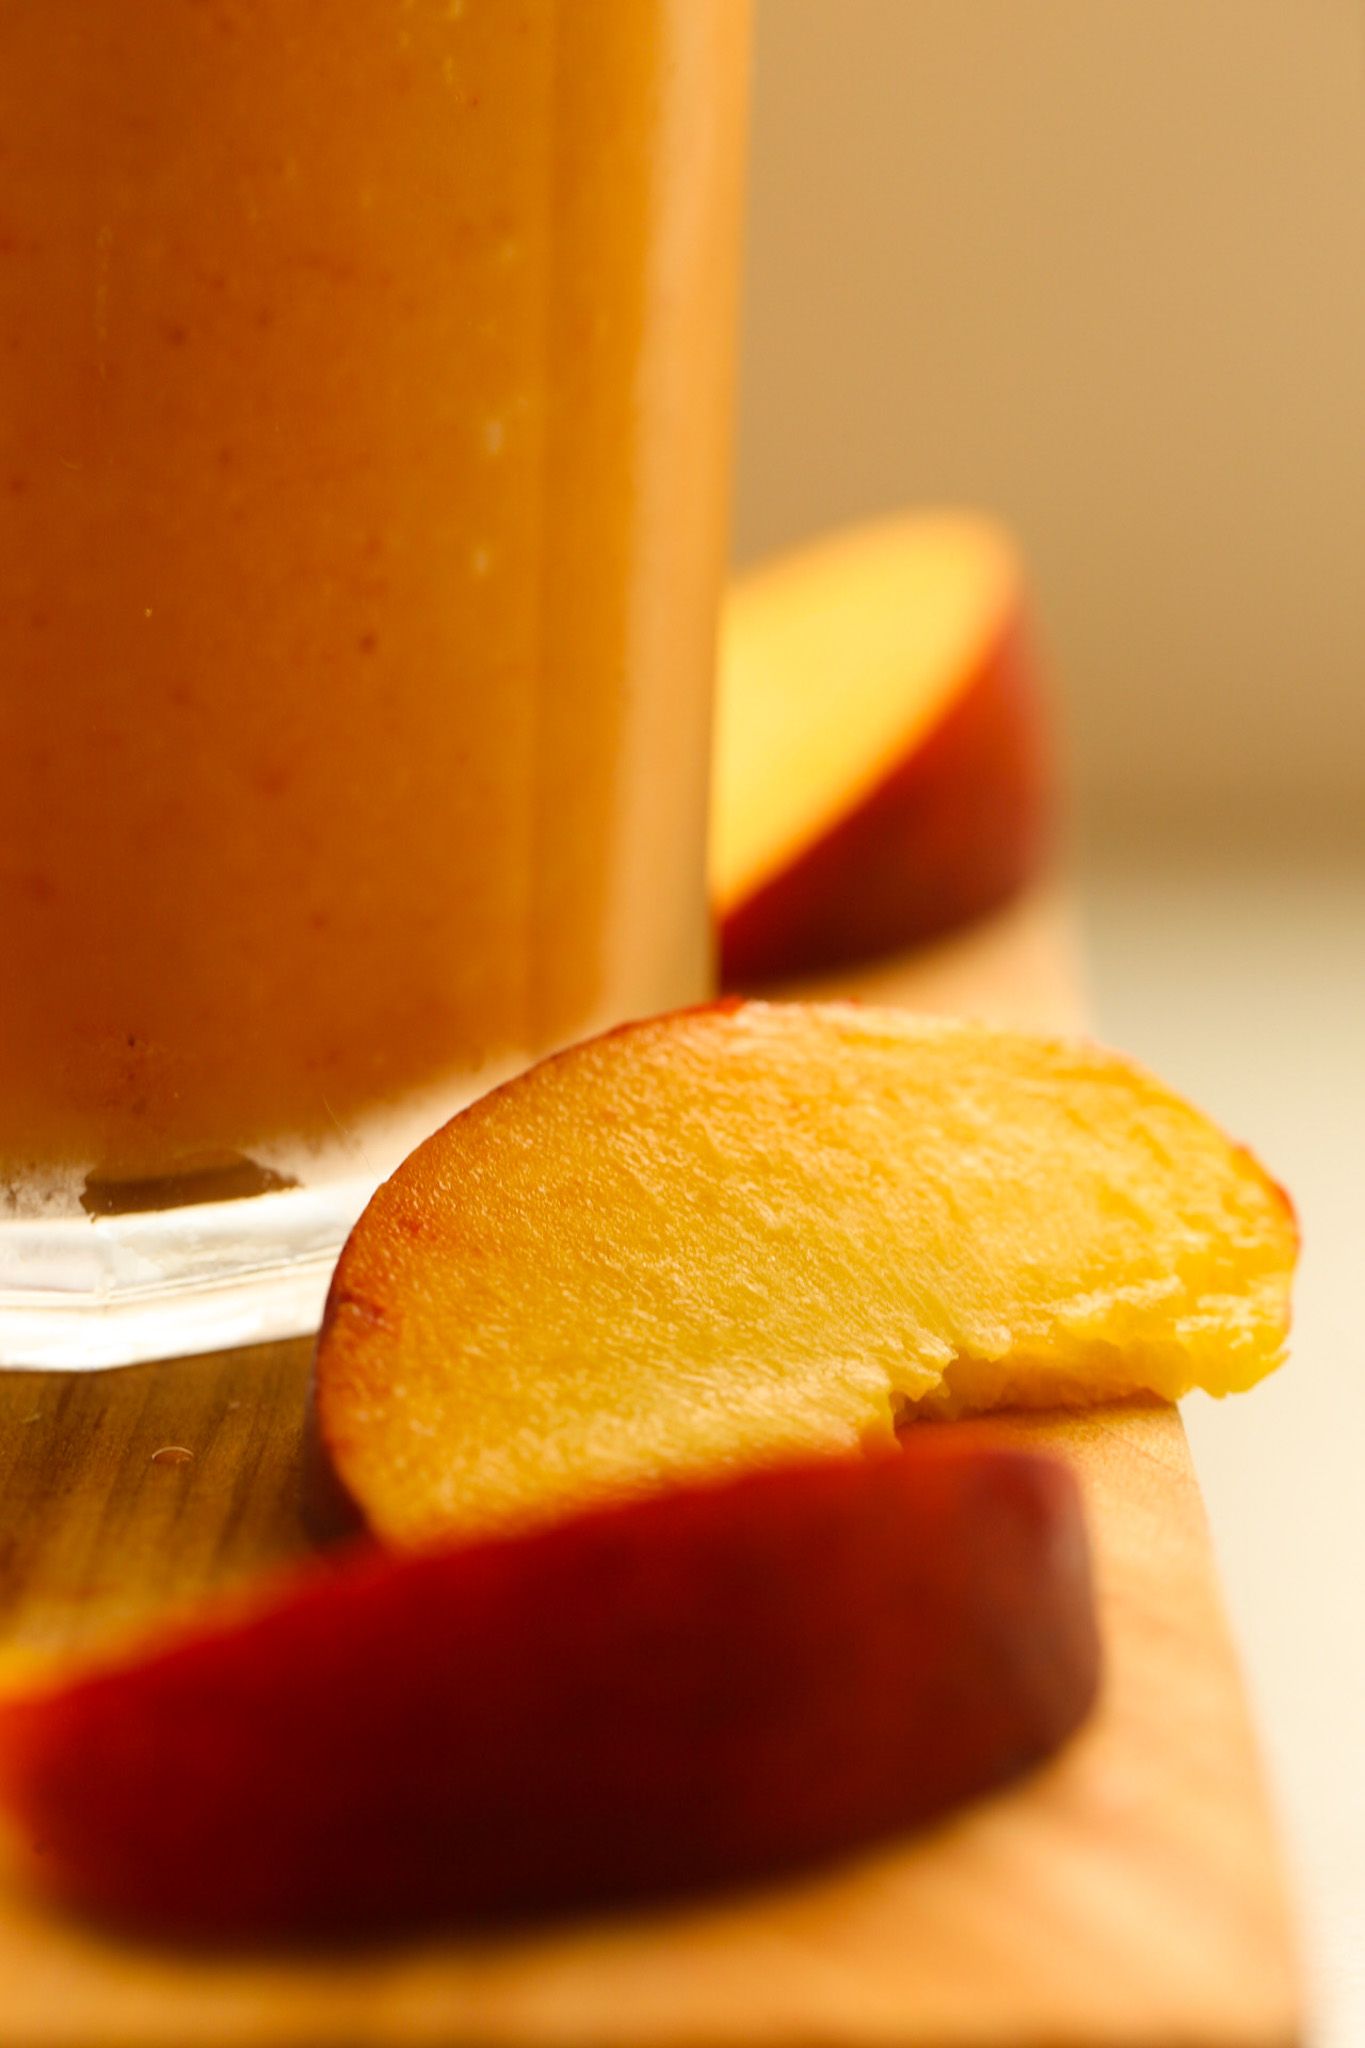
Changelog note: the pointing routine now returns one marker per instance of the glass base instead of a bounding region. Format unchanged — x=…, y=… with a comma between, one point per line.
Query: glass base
x=97, y=1272
x=77, y=1294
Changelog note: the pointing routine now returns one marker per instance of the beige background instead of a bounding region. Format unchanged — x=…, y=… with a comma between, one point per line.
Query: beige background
x=1099, y=265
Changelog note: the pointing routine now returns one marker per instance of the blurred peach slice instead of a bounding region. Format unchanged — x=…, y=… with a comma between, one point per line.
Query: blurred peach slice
x=880, y=772
x=712, y=1685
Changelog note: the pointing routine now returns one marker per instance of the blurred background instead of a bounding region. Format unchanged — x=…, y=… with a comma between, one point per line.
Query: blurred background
x=1099, y=266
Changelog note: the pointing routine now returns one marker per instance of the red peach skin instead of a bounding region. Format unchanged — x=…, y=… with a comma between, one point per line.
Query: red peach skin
x=711, y=1685
x=953, y=831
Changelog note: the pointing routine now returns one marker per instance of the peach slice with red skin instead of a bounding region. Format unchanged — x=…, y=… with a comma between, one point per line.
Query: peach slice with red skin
x=755, y=1231
x=712, y=1685
x=881, y=771
x=599, y=1327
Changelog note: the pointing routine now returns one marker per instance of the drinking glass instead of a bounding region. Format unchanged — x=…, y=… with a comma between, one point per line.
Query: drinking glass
x=365, y=380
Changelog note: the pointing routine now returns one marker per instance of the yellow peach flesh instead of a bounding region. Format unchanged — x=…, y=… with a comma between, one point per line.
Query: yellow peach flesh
x=836, y=662
x=721, y=1237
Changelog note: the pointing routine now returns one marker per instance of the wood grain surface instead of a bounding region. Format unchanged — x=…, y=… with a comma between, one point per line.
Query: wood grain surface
x=1128, y=1895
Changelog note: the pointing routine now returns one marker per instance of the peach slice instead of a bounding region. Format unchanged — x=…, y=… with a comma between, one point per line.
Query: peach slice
x=737, y=1234
x=879, y=774
x=714, y=1684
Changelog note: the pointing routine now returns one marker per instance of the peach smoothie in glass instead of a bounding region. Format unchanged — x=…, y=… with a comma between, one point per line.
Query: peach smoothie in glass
x=364, y=408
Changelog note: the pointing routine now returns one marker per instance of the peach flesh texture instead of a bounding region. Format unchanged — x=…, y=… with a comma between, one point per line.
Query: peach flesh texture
x=738, y=1234
x=881, y=771
x=711, y=1685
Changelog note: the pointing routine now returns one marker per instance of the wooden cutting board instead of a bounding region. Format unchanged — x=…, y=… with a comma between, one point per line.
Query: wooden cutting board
x=1128, y=1895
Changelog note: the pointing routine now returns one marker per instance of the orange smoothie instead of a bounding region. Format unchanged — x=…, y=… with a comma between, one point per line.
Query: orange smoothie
x=363, y=434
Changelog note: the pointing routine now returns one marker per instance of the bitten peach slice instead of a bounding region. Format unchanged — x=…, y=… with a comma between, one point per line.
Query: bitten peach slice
x=880, y=773
x=713, y=1684
x=729, y=1235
